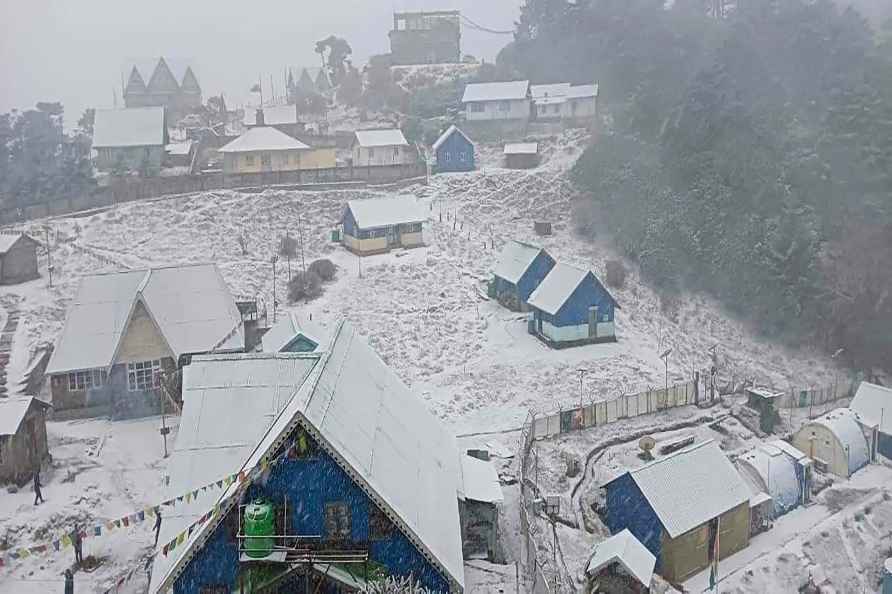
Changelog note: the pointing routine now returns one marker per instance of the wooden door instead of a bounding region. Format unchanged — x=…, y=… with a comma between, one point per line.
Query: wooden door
x=593, y=322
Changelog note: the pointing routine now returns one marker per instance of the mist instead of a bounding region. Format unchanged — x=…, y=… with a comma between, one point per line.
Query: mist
x=55, y=50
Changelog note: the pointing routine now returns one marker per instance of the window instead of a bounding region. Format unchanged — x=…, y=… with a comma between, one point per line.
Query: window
x=337, y=521
x=380, y=527
x=249, y=160
x=215, y=589
x=463, y=156
x=396, y=153
x=78, y=381
x=266, y=160
x=542, y=109
x=143, y=375
x=478, y=107
x=504, y=106
x=448, y=156
x=573, y=106
x=371, y=153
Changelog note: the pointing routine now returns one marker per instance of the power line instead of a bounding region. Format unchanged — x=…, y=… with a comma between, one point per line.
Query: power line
x=479, y=27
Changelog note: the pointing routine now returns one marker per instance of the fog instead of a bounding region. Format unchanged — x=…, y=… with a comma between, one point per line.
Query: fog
x=74, y=52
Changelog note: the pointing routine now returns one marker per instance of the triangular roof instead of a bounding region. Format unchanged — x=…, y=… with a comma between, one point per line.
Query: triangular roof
x=306, y=82
x=625, y=549
x=133, y=126
x=135, y=83
x=690, y=487
x=7, y=240
x=263, y=138
x=558, y=285
x=13, y=411
x=453, y=129
x=372, y=213
x=380, y=433
x=515, y=260
x=323, y=81
x=162, y=79
x=873, y=403
x=189, y=83
x=190, y=305
x=288, y=330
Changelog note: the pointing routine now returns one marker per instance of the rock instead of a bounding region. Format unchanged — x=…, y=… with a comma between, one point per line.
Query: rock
x=12, y=489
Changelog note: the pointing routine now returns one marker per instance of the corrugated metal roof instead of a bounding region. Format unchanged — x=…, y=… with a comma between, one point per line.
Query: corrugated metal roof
x=374, y=425
x=556, y=287
x=372, y=213
x=372, y=138
x=7, y=240
x=873, y=404
x=496, y=91
x=179, y=148
x=691, y=487
x=276, y=115
x=12, y=412
x=449, y=132
x=551, y=90
x=480, y=481
x=582, y=91
x=625, y=549
x=515, y=259
x=843, y=423
x=521, y=148
x=190, y=304
x=287, y=329
x=135, y=126
x=262, y=138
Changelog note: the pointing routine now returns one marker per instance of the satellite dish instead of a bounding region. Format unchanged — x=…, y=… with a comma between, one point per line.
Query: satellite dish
x=647, y=443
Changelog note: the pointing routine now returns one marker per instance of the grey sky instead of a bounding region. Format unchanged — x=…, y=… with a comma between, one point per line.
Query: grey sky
x=62, y=50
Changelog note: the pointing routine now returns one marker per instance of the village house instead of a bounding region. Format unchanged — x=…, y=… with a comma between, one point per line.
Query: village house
x=677, y=506
x=125, y=330
x=337, y=438
x=835, y=442
x=571, y=104
x=571, y=307
x=454, y=151
x=379, y=148
x=520, y=269
x=779, y=470
x=171, y=85
x=620, y=565
x=130, y=139
x=479, y=497
x=264, y=149
x=180, y=154
x=23, y=444
x=427, y=37
x=873, y=405
x=290, y=334
x=521, y=155
x=380, y=225
x=18, y=258
x=497, y=101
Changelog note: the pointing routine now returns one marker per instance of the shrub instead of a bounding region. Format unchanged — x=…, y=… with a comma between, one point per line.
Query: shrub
x=323, y=268
x=304, y=286
x=616, y=274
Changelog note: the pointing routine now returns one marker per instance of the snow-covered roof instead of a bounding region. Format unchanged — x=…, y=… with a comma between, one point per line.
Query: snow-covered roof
x=873, y=404
x=384, y=212
x=770, y=469
x=843, y=423
x=582, y=91
x=262, y=138
x=370, y=423
x=179, y=148
x=134, y=126
x=13, y=410
x=550, y=100
x=515, y=259
x=625, y=549
x=766, y=393
x=556, y=287
x=691, y=487
x=449, y=132
x=496, y=91
x=272, y=116
x=788, y=448
x=288, y=329
x=190, y=304
x=521, y=148
x=7, y=240
x=551, y=90
x=373, y=138
x=479, y=480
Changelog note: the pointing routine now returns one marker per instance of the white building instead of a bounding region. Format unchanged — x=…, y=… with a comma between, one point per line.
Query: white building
x=497, y=101
x=565, y=102
x=376, y=148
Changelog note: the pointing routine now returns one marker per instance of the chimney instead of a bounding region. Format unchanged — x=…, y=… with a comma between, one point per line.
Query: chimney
x=258, y=118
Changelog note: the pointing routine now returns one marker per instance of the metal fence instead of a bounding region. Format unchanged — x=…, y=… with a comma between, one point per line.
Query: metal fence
x=533, y=575
x=815, y=397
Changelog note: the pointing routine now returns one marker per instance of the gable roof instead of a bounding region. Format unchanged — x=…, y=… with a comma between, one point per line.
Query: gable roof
x=134, y=126
x=559, y=284
x=515, y=259
x=384, y=212
x=582, y=91
x=521, y=148
x=135, y=82
x=843, y=423
x=190, y=305
x=163, y=79
x=371, y=424
x=625, y=549
x=373, y=138
x=873, y=404
x=449, y=132
x=287, y=330
x=496, y=91
x=690, y=487
x=7, y=240
x=13, y=411
x=550, y=90
x=262, y=138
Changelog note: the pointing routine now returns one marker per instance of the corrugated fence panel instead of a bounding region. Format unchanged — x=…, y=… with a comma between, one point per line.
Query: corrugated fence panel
x=589, y=415
x=600, y=413
x=540, y=427
x=554, y=424
x=612, y=414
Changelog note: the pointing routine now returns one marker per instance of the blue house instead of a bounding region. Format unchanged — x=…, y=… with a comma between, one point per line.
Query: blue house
x=364, y=481
x=571, y=307
x=520, y=269
x=454, y=151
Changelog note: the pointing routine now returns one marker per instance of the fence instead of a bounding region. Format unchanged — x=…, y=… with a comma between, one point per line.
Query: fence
x=533, y=575
x=811, y=397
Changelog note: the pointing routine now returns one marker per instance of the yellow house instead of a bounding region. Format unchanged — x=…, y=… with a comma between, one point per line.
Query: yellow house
x=379, y=225
x=264, y=148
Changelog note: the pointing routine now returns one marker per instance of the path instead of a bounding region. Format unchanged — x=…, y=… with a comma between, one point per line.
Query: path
x=11, y=304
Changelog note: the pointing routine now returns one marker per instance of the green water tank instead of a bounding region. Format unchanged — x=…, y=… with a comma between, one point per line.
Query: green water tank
x=260, y=525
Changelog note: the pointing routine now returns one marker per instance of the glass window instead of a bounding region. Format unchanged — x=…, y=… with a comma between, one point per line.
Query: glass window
x=337, y=521
x=380, y=527
x=79, y=381
x=478, y=107
x=448, y=156
x=249, y=160
x=143, y=375
x=371, y=153
x=266, y=160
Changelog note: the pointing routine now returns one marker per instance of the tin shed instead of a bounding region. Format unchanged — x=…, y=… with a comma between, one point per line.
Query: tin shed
x=520, y=269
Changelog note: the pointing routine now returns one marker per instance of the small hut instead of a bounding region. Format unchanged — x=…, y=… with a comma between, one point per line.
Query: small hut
x=521, y=155
x=835, y=441
x=23, y=444
x=620, y=564
x=18, y=258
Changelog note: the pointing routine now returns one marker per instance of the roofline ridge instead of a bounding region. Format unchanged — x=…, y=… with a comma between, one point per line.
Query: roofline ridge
x=673, y=455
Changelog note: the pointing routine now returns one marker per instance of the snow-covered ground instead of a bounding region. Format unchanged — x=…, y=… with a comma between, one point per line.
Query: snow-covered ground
x=422, y=310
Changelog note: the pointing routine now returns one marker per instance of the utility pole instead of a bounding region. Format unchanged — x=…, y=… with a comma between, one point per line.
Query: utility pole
x=665, y=357
x=275, y=302
x=300, y=235
x=581, y=373
x=49, y=255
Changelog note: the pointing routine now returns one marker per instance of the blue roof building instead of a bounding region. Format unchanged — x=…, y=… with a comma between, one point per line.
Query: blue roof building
x=454, y=151
x=520, y=269
x=571, y=307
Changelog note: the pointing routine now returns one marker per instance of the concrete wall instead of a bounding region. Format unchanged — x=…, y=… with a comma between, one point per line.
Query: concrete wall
x=21, y=454
x=288, y=160
x=132, y=157
x=382, y=155
x=817, y=441
x=516, y=109
x=19, y=264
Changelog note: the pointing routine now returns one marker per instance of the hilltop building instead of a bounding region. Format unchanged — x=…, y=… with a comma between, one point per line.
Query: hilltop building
x=426, y=37
x=175, y=88
x=497, y=101
x=132, y=139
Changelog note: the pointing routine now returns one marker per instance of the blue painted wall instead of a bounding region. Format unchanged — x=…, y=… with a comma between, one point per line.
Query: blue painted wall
x=628, y=508
x=349, y=223
x=461, y=154
x=309, y=484
x=529, y=280
x=574, y=312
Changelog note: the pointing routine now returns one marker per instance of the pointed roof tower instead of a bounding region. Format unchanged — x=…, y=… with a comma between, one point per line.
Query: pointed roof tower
x=189, y=83
x=305, y=82
x=163, y=80
x=135, y=83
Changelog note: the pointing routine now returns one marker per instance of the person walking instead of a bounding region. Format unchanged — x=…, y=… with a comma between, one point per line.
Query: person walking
x=69, y=582
x=157, y=524
x=78, y=542
x=38, y=496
